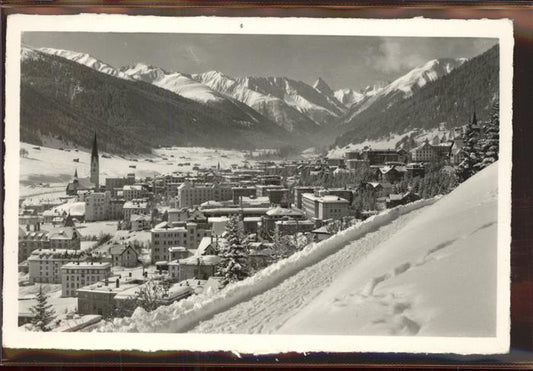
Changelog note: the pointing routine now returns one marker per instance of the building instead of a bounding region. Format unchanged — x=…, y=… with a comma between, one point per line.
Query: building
x=75, y=275
x=335, y=162
x=240, y=192
x=177, y=253
x=262, y=189
x=325, y=207
x=424, y=153
x=381, y=157
x=178, y=215
x=345, y=193
x=123, y=256
x=97, y=206
x=100, y=297
x=194, y=194
x=352, y=155
x=79, y=185
x=114, y=184
x=293, y=226
x=415, y=170
x=135, y=207
x=356, y=164
x=391, y=173
x=31, y=241
x=321, y=234
x=133, y=191
x=95, y=170
x=64, y=238
x=279, y=197
x=298, y=192
x=198, y=267
x=268, y=221
x=44, y=266
x=140, y=222
x=165, y=235
x=394, y=200
x=116, y=209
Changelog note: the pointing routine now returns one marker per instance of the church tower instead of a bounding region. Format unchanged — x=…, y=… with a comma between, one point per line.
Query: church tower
x=94, y=165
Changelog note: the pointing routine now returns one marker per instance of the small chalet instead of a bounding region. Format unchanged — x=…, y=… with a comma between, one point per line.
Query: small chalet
x=123, y=256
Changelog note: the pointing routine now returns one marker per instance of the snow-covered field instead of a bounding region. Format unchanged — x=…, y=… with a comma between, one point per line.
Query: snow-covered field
x=45, y=172
x=430, y=271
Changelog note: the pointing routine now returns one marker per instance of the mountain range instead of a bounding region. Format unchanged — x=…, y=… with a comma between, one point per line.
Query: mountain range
x=139, y=106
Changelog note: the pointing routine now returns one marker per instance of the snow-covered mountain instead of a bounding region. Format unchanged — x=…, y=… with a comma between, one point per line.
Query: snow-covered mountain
x=275, y=108
x=67, y=95
x=439, y=91
x=403, y=87
x=176, y=82
x=322, y=87
x=86, y=60
x=310, y=101
x=349, y=97
x=420, y=76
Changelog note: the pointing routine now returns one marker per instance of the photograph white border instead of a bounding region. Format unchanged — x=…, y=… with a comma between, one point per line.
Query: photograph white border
x=501, y=29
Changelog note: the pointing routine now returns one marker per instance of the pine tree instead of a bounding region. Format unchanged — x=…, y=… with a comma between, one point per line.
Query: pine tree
x=43, y=312
x=469, y=166
x=490, y=145
x=233, y=266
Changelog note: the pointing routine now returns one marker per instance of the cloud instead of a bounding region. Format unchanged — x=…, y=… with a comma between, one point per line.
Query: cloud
x=394, y=56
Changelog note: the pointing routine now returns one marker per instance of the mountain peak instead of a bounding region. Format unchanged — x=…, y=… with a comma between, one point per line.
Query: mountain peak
x=86, y=60
x=323, y=87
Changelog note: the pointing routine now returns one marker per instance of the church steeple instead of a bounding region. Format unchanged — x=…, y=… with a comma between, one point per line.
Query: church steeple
x=95, y=179
x=94, y=152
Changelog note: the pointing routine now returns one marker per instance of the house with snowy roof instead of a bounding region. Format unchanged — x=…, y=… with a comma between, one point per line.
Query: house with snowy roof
x=401, y=199
x=198, y=267
x=123, y=256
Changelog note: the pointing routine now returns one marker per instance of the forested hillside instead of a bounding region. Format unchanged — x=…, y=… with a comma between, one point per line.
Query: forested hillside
x=65, y=100
x=451, y=99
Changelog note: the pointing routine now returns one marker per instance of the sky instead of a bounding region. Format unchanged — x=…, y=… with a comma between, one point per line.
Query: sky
x=342, y=61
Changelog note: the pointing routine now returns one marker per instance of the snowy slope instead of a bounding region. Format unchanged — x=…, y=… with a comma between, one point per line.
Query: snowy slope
x=86, y=60
x=176, y=82
x=437, y=276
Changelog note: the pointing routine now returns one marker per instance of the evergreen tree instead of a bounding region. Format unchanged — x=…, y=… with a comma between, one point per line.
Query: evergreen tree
x=233, y=266
x=490, y=145
x=43, y=312
x=469, y=166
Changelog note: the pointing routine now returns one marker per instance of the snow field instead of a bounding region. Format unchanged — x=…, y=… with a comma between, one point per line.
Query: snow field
x=50, y=165
x=185, y=314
